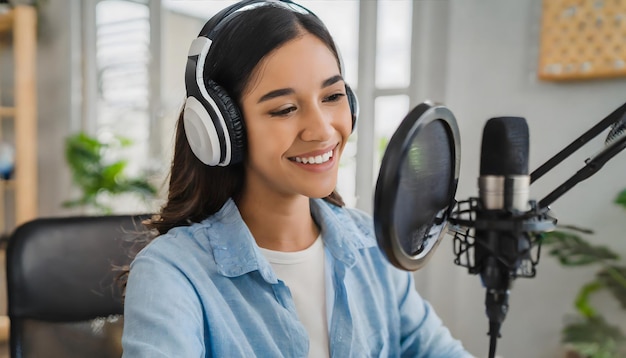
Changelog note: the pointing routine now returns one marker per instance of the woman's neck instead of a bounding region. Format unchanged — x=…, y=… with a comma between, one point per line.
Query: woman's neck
x=281, y=224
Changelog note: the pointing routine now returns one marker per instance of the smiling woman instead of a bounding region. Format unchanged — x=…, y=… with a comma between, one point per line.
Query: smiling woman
x=256, y=253
x=298, y=98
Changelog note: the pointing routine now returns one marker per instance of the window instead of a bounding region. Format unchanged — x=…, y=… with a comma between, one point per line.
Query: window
x=393, y=46
x=121, y=93
x=122, y=68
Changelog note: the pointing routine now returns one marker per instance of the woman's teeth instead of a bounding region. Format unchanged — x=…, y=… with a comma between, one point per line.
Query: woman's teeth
x=318, y=159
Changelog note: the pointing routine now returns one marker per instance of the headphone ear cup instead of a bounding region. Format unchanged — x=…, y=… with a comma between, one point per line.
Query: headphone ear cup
x=233, y=119
x=201, y=133
x=353, y=102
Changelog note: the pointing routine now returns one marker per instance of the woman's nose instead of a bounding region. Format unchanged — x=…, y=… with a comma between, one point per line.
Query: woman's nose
x=317, y=125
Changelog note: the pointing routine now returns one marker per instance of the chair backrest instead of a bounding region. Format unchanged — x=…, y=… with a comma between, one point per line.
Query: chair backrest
x=64, y=299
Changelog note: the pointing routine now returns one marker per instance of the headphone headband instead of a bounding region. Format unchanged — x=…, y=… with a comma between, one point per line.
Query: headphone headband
x=213, y=26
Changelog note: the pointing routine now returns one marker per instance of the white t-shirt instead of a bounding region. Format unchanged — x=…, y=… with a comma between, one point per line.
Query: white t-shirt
x=303, y=272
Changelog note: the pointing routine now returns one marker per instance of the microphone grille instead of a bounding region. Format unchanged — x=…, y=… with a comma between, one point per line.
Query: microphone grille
x=504, y=148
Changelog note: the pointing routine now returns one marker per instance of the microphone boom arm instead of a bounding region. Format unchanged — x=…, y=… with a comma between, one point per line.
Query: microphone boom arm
x=578, y=143
x=592, y=166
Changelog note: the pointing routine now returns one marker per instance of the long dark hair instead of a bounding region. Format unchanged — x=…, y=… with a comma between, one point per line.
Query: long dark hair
x=197, y=191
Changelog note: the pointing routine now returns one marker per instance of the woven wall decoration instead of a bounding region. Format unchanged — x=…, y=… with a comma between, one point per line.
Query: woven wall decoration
x=582, y=39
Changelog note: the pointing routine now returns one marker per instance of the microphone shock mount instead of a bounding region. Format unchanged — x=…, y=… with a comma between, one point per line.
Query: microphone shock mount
x=530, y=224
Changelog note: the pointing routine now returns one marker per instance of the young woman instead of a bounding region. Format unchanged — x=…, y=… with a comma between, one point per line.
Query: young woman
x=257, y=255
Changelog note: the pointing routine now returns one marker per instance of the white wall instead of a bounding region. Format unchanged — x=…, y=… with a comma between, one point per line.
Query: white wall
x=58, y=98
x=491, y=71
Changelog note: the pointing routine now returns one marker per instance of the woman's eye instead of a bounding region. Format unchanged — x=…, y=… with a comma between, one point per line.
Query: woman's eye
x=334, y=97
x=282, y=112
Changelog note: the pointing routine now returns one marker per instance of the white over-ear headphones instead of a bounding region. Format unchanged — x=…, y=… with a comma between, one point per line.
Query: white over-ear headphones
x=213, y=123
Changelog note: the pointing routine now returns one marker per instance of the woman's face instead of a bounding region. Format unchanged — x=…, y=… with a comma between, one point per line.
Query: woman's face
x=297, y=121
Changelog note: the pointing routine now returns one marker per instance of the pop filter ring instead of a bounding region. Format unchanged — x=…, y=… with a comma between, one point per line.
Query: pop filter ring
x=389, y=178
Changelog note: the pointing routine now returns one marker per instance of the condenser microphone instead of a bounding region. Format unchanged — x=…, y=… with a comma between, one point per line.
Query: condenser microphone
x=503, y=198
x=496, y=233
x=503, y=192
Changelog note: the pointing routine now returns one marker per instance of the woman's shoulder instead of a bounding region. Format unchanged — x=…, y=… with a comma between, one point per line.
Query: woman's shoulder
x=196, y=237
x=179, y=244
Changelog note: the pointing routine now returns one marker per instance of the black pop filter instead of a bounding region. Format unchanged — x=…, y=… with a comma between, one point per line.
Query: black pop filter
x=416, y=186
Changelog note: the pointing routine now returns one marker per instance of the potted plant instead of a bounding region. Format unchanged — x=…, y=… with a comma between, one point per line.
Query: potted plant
x=97, y=173
x=589, y=334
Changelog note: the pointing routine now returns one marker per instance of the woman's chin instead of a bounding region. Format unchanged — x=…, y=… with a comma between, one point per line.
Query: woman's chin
x=320, y=193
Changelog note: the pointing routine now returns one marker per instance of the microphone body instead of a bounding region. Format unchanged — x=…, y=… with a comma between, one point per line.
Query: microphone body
x=503, y=199
x=503, y=192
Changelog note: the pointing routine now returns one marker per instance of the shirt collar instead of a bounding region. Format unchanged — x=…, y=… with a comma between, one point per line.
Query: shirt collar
x=236, y=252
x=342, y=233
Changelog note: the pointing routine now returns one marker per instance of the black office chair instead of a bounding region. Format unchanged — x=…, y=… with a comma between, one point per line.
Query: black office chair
x=64, y=299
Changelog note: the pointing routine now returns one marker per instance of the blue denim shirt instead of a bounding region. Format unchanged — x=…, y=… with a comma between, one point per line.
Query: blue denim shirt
x=206, y=290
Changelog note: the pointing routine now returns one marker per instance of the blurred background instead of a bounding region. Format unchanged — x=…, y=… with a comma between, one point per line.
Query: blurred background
x=108, y=76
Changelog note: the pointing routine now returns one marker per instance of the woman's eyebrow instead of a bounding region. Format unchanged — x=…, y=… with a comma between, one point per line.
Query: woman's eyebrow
x=331, y=81
x=276, y=93
x=287, y=91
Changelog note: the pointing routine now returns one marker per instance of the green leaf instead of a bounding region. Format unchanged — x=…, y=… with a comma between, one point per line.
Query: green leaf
x=594, y=337
x=613, y=277
x=572, y=250
x=83, y=155
x=621, y=199
x=111, y=174
x=582, y=302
